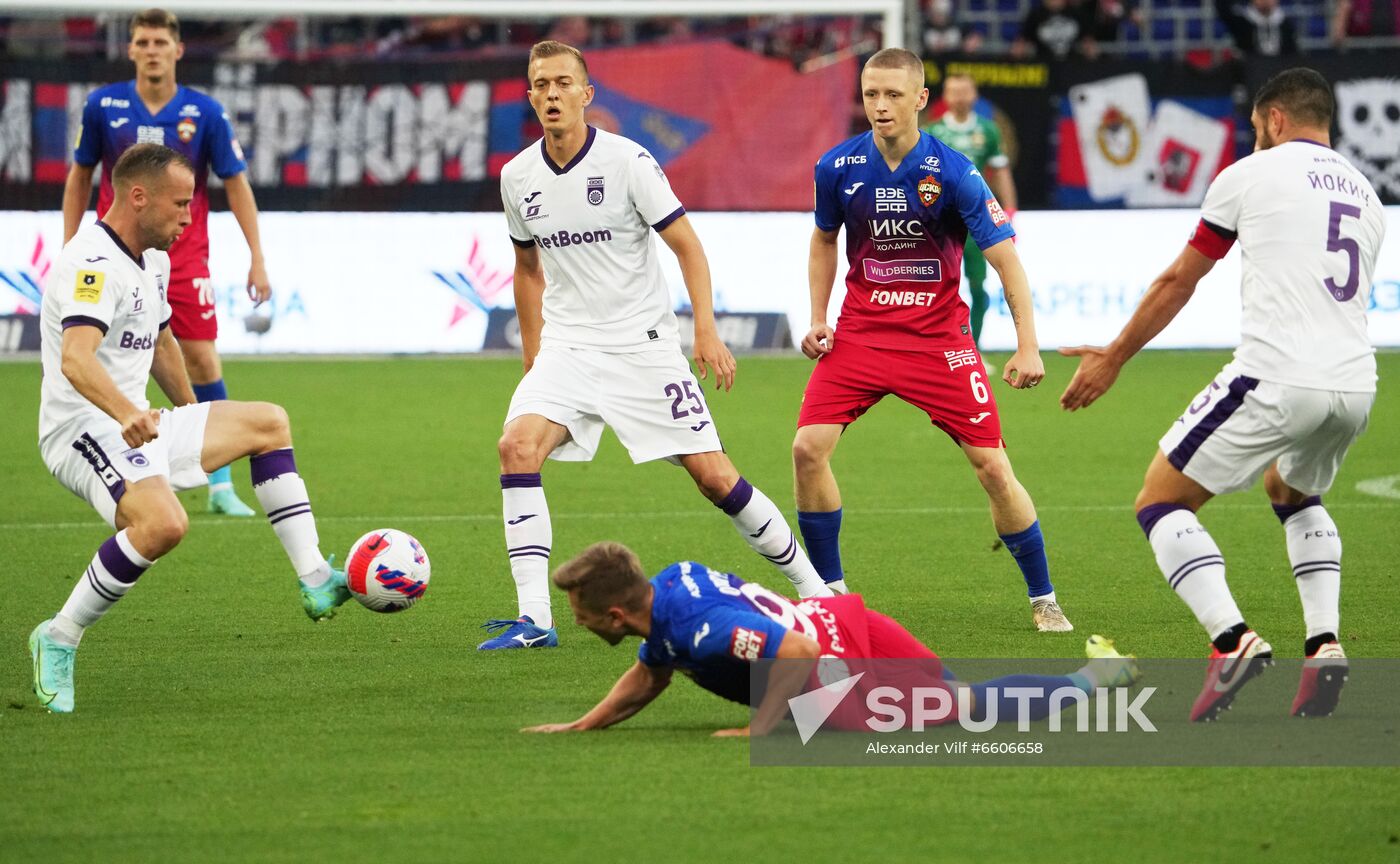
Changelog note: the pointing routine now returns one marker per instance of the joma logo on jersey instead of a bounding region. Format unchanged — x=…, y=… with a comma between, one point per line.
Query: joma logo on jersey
x=896, y=228
x=137, y=343
x=560, y=239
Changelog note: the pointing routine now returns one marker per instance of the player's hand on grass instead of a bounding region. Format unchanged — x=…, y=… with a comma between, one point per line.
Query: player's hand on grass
x=732, y=733
x=259, y=288
x=141, y=427
x=551, y=727
x=711, y=352
x=818, y=341
x=1024, y=370
x=1096, y=373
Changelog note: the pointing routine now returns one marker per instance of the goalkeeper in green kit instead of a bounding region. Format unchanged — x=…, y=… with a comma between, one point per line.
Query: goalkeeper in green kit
x=979, y=140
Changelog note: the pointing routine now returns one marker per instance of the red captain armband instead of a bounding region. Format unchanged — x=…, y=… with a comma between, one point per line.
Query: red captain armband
x=1211, y=240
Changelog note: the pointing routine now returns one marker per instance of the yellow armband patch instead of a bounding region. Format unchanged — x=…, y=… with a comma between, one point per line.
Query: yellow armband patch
x=88, y=287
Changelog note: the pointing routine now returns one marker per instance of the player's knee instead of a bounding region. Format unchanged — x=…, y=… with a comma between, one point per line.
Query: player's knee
x=716, y=485
x=162, y=530
x=203, y=366
x=808, y=455
x=518, y=453
x=271, y=426
x=996, y=477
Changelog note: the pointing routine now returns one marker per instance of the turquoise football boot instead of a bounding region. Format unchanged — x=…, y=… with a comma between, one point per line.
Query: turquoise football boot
x=53, y=670
x=321, y=602
x=226, y=502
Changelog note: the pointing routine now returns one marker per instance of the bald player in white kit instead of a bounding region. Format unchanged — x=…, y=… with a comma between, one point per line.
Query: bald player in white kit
x=600, y=338
x=1293, y=399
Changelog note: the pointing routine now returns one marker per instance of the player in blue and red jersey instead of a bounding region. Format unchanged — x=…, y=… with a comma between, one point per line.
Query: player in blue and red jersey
x=153, y=108
x=711, y=626
x=908, y=203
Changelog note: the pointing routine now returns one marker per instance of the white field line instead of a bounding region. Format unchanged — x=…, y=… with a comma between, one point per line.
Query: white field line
x=408, y=518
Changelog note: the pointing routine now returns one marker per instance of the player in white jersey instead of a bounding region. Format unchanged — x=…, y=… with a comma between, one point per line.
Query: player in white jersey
x=105, y=331
x=600, y=339
x=1295, y=397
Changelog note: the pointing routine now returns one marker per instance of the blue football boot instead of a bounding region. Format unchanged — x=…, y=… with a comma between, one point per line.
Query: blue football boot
x=518, y=633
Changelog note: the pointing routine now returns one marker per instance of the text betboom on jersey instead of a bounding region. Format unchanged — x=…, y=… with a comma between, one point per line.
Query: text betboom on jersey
x=137, y=343
x=563, y=238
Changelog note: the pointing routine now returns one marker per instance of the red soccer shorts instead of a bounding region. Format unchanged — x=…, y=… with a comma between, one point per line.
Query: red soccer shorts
x=885, y=655
x=192, y=308
x=951, y=387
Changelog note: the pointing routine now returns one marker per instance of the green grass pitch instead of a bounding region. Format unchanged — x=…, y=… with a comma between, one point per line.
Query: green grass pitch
x=215, y=723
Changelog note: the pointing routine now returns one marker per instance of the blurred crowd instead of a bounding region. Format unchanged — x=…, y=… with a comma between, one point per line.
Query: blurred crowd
x=1046, y=29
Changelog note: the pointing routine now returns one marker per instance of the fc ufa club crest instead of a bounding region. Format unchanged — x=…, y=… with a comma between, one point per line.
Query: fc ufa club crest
x=185, y=130
x=929, y=190
x=595, y=191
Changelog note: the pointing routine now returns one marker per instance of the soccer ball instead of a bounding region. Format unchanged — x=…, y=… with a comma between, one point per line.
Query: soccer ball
x=387, y=570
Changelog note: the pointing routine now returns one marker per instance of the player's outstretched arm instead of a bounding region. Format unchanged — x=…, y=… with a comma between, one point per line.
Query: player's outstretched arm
x=821, y=275
x=85, y=372
x=77, y=191
x=1099, y=367
x=168, y=368
x=634, y=691
x=529, y=300
x=709, y=351
x=785, y=680
x=1025, y=368
x=245, y=209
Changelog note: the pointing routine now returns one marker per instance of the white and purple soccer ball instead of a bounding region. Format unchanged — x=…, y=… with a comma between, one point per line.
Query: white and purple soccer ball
x=387, y=570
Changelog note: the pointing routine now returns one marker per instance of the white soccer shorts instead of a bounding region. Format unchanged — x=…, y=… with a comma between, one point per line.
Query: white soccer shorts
x=90, y=458
x=1238, y=426
x=650, y=399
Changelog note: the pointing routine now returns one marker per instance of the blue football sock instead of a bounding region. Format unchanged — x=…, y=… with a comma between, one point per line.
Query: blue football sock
x=213, y=392
x=1028, y=548
x=821, y=534
x=1039, y=706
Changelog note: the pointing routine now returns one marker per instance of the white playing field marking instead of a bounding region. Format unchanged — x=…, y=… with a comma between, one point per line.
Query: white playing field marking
x=1381, y=487
x=407, y=518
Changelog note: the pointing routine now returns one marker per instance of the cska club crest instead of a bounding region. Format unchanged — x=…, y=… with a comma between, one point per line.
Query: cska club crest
x=185, y=130
x=595, y=190
x=929, y=190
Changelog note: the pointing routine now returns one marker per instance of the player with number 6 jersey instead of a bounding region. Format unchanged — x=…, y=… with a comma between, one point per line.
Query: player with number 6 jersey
x=713, y=626
x=1295, y=397
x=600, y=339
x=908, y=203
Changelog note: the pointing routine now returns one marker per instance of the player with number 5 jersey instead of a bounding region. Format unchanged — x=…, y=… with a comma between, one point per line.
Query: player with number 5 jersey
x=1295, y=397
x=600, y=339
x=908, y=203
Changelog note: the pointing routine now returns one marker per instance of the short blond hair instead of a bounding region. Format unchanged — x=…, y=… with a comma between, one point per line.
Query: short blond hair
x=550, y=48
x=604, y=575
x=897, y=58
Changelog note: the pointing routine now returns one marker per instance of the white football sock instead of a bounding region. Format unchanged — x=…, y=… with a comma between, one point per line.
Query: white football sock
x=1315, y=551
x=529, y=536
x=282, y=494
x=761, y=524
x=114, y=569
x=1195, y=570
